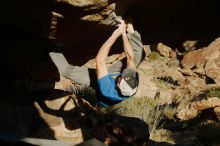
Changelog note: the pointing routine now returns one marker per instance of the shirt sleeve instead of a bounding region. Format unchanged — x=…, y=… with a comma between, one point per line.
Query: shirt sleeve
x=104, y=84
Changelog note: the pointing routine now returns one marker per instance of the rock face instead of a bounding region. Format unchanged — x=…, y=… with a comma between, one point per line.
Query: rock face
x=77, y=28
x=100, y=11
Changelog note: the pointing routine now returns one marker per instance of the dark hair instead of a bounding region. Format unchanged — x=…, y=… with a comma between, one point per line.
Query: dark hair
x=133, y=77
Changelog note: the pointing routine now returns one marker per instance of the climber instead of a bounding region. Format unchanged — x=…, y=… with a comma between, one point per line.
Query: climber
x=123, y=84
x=114, y=82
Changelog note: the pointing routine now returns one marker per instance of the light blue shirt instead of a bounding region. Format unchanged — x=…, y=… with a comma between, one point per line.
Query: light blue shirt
x=108, y=89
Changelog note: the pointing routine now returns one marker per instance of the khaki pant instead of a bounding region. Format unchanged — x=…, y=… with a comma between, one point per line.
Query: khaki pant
x=80, y=74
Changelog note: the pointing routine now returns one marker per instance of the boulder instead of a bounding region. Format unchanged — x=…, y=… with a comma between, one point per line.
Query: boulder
x=217, y=112
x=175, y=76
x=190, y=45
x=165, y=50
x=193, y=59
x=210, y=102
x=186, y=111
x=214, y=73
x=146, y=86
x=190, y=109
x=194, y=84
x=212, y=51
x=198, y=58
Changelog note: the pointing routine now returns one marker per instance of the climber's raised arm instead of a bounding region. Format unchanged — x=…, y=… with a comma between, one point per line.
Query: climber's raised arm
x=104, y=51
x=128, y=51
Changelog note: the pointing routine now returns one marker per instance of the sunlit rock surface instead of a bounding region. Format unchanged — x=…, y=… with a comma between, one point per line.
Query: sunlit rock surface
x=77, y=28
